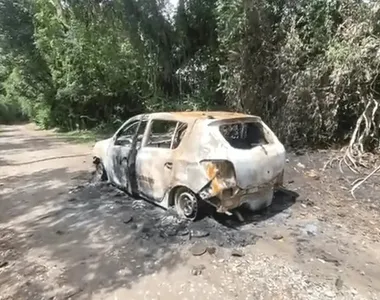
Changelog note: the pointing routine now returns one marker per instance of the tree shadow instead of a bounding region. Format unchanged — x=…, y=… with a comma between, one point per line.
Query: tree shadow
x=87, y=236
x=3, y=162
x=13, y=263
x=46, y=159
x=15, y=142
x=6, y=130
x=96, y=238
x=26, y=143
x=24, y=194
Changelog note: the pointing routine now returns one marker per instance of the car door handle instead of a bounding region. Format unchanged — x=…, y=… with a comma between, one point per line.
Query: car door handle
x=168, y=165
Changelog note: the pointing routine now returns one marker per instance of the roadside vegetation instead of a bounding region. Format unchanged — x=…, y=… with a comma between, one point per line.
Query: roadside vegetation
x=309, y=68
x=85, y=136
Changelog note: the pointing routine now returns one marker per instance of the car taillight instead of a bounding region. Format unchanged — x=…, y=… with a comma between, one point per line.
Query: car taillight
x=221, y=172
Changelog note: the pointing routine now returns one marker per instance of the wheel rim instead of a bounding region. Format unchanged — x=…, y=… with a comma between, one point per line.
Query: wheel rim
x=187, y=204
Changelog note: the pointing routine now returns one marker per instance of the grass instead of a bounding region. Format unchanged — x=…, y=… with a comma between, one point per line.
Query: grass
x=85, y=136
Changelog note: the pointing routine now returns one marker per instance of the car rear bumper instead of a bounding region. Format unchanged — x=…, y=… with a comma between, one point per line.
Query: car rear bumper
x=259, y=200
x=254, y=200
x=256, y=197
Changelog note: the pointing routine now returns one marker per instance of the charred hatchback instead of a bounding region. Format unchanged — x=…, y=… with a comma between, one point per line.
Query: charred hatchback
x=188, y=158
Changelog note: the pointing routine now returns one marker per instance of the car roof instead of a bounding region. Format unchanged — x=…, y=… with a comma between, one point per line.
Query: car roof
x=197, y=115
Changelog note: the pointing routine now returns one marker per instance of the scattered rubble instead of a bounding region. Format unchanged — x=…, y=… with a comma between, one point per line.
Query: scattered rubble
x=339, y=283
x=327, y=257
x=211, y=250
x=310, y=229
x=237, y=253
x=197, y=270
x=151, y=222
x=277, y=237
x=307, y=202
x=199, y=233
x=313, y=174
x=127, y=219
x=166, y=224
x=198, y=249
x=72, y=199
x=300, y=165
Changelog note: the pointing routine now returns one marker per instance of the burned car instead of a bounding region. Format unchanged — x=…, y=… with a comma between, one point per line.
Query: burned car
x=185, y=159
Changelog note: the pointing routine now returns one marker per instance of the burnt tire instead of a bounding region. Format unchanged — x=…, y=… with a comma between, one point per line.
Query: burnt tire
x=100, y=172
x=186, y=203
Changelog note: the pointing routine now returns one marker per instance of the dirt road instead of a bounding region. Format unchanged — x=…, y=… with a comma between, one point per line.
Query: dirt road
x=62, y=237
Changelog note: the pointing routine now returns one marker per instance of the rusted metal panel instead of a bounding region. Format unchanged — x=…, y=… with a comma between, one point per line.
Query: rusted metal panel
x=202, y=158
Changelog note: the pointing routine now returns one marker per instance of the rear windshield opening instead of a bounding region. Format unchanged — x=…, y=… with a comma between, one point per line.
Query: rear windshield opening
x=244, y=135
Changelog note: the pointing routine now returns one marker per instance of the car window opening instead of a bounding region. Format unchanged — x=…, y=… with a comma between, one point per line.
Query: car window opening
x=179, y=134
x=126, y=136
x=244, y=135
x=166, y=134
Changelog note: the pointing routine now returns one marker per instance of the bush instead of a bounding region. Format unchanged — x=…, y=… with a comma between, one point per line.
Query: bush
x=10, y=111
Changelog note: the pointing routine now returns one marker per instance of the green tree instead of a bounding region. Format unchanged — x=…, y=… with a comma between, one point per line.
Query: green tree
x=309, y=68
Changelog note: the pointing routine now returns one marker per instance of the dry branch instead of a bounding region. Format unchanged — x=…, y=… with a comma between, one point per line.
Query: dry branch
x=357, y=184
x=356, y=150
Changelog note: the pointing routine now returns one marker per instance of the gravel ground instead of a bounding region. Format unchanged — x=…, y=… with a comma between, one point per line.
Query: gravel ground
x=65, y=237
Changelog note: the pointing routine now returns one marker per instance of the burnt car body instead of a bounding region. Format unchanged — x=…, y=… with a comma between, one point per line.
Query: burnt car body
x=186, y=158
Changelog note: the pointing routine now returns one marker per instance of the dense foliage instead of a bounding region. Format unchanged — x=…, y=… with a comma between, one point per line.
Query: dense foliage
x=309, y=67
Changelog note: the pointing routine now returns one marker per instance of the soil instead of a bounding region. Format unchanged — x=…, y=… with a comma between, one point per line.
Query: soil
x=63, y=236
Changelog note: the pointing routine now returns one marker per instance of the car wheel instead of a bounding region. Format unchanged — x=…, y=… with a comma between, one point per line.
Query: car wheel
x=186, y=203
x=100, y=172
